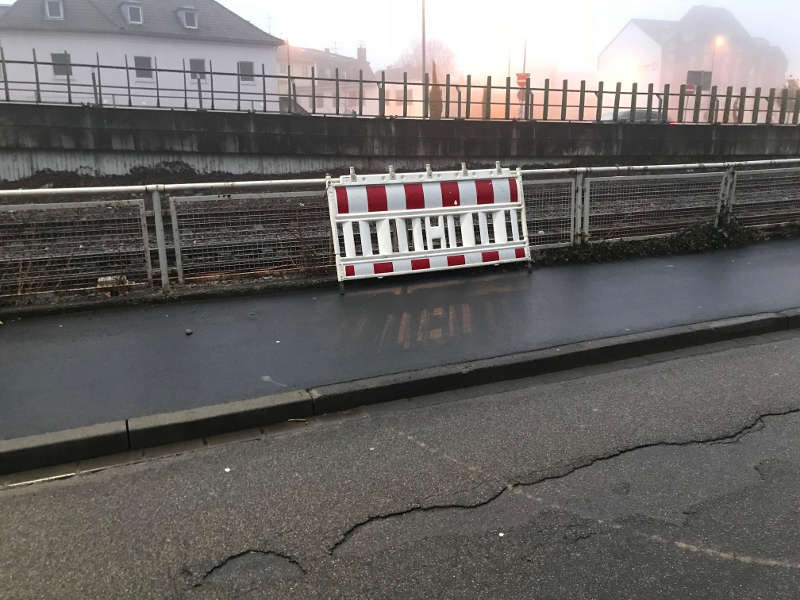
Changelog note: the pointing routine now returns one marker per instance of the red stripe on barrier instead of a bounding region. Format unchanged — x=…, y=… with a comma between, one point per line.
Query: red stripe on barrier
x=415, y=197
x=520, y=252
x=491, y=256
x=450, y=193
x=485, y=191
x=454, y=261
x=418, y=264
x=376, y=198
x=343, y=206
x=512, y=185
x=385, y=267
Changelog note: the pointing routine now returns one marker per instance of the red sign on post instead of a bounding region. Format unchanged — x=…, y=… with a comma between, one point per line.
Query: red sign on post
x=522, y=78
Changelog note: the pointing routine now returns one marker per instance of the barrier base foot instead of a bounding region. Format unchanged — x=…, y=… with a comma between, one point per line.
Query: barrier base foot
x=341, y=288
x=530, y=267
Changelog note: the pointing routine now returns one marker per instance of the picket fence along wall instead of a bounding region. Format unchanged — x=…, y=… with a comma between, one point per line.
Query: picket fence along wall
x=117, y=239
x=124, y=84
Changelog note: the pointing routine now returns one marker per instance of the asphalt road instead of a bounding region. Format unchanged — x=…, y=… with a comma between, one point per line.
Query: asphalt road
x=58, y=372
x=676, y=476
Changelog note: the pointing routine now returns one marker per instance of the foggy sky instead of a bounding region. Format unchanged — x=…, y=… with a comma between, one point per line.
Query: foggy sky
x=563, y=36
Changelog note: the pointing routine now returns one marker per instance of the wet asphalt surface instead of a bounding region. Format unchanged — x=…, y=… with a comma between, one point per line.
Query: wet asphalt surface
x=668, y=476
x=64, y=371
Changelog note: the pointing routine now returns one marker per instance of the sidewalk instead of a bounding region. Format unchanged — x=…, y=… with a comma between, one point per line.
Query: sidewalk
x=65, y=371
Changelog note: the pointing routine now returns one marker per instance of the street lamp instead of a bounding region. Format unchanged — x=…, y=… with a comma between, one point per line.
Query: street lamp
x=719, y=42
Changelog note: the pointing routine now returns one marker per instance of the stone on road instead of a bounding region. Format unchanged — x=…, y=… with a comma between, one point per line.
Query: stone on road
x=670, y=476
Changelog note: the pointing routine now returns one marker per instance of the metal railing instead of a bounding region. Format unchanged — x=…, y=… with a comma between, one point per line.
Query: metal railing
x=343, y=93
x=113, y=239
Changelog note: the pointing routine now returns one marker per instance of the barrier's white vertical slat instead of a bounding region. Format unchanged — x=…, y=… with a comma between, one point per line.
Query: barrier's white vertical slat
x=484, y=228
x=384, y=230
x=428, y=234
x=366, y=238
x=349, y=239
x=499, y=222
x=416, y=230
x=513, y=214
x=402, y=235
x=467, y=230
x=451, y=232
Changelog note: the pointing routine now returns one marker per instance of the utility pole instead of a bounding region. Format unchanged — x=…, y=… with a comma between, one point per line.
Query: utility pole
x=423, y=41
x=525, y=57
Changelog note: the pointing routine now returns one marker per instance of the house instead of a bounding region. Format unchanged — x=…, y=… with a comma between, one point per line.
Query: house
x=301, y=62
x=708, y=46
x=170, y=53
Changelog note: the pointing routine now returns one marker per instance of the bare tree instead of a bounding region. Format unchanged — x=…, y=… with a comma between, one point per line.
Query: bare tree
x=411, y=59
x=435, y=97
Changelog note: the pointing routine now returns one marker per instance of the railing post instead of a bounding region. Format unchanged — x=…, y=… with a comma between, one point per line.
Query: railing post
x=94, y=87
x=99, y=81
x=564, y=96
x=698, y=99
x=211, y=80
x=128, y=80
x=725, y=201
x=382, y=95
x=425, y=96
x=200, y=93
x=289, y=88
x=796, y=116
x=712, y=105
x=158, y=218
x=756, y=105
x=360, y=92
x=238, y=88
x=176, y=238
x=617, y=98
x=469, y=97
x=634, y=93
x=649, y=102
x=508, y=98
x=313, y=90
x=599, y=115
x=576, y=227
x=337, y=91
x=264, y=86
x=487, y=109
x=665, y=105
x=582, y=101
x=36, y=77
x=69, y=76
x=405, y=94
x=158, y=84
x=681, y=102
x=185, y=88
x=447, y=96
x=5, y=74
x=546, y=101
x=742, y=102
x=770, y=105
x=726, y=113
x=784, y=106
x=528, y=102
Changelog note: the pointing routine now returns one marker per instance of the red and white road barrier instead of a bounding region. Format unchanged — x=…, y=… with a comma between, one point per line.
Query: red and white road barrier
x=417, y=222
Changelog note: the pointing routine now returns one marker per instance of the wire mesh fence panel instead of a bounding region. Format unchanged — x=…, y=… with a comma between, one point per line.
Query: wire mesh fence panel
x=50, y=248
x=549, y=208
x=645, y=206
x=257, y=234
x=767, y=197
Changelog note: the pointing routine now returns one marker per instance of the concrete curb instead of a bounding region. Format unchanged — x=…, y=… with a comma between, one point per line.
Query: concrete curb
x=144, y=432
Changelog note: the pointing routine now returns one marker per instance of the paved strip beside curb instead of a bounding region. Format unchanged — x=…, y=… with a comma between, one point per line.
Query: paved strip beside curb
x=156, y=430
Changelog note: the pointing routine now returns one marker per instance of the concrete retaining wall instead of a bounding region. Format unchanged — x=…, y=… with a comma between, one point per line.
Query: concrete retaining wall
x=98, y=141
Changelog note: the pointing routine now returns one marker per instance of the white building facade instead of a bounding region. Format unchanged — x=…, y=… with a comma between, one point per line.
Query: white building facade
x=168, y=53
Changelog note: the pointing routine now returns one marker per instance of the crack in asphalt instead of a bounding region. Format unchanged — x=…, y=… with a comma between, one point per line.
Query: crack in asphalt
x=754, y=426
x=223, y=563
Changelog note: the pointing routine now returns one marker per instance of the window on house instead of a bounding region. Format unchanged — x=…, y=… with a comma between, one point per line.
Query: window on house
x=135, y=15
x=62, y=64
x=246, y=70
x=188, y=17
x=144, y=67
x=54, y=9
x=197, y=66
